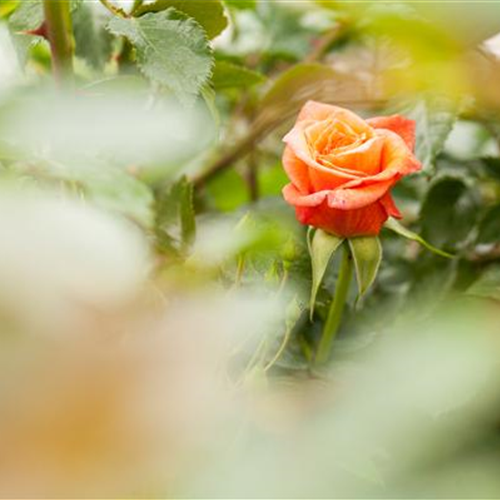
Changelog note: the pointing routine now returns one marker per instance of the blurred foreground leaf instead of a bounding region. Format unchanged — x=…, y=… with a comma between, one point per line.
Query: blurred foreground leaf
x=108, y=187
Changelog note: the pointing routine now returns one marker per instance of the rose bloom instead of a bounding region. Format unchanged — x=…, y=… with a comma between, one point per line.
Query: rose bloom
x=342, y=168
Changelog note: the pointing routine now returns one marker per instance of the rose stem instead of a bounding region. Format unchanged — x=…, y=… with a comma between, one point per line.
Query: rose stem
x=60, y=35
x=332, y=324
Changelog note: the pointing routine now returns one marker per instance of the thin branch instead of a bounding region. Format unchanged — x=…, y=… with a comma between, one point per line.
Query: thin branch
x=325, y=43
x=116, y=11
x=240, y=149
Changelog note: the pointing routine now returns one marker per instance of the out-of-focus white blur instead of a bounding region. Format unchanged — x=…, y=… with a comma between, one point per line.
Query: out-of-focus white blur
x=10, y=73
x=60, y=256
x=106, y=122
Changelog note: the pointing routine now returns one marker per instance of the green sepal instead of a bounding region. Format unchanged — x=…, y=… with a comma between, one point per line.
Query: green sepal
x=322, y=246
x=366, y=252
x=398, y=228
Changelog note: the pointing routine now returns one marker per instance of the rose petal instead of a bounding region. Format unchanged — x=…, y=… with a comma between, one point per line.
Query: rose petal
x=402, y=126
x=397, y=161
x=390, y=207
x=317, y=111
x=362, y=222
x=358, y=197
x=293, y=196
x=365, y=158
x=297, y=170
x=320, y=177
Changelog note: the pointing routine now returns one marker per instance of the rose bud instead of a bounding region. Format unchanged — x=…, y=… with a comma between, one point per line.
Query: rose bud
x=342, y=168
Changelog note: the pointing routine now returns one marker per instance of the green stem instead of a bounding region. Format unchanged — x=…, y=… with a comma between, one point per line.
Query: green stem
x=334, y=319
x=60, y=35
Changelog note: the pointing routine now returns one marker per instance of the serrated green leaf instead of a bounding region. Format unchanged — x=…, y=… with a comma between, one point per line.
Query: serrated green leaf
x=367, y=255
x=172, y=50
x=208, y=13
x=434, y=117
x=228, y=75
x=488, y=285
x=323, y=246
x=398, y=228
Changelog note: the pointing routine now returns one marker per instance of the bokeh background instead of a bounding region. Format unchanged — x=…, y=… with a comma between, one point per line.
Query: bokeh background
x=155, y=338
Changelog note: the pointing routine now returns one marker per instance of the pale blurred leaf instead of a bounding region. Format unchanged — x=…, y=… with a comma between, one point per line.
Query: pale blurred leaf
x=108, y=187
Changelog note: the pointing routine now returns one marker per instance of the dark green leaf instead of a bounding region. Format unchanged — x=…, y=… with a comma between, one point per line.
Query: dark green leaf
x=491, y=166
x=449, y=213
x=172, y=50
x=488, y=285
x=229, y=75
x=489, y=227
x=208, y=13
x=93, y=42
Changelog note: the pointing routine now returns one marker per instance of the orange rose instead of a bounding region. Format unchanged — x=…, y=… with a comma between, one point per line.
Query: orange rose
x=342, y=168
